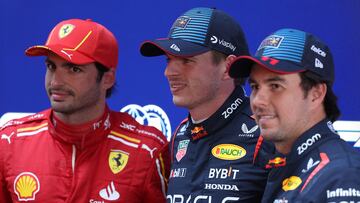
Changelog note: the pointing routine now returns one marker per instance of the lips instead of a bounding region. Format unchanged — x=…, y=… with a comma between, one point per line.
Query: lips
x=176, y=86
x=59, y=94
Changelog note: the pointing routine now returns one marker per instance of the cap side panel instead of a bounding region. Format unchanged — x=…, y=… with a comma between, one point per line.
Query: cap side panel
x=196, y=27
x=81, y=42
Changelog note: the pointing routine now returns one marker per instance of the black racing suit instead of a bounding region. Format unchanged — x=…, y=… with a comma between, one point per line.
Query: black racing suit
x=212, y=161
x=320, y=168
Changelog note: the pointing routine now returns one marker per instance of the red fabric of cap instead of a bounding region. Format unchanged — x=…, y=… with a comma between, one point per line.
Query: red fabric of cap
x=80, y=42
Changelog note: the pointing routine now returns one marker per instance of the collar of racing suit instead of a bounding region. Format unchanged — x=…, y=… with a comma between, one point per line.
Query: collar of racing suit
x=83, y=135
x=237, y=102
x=307, y=142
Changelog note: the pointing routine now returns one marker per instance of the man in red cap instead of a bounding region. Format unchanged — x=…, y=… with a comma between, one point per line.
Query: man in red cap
x=79, y=150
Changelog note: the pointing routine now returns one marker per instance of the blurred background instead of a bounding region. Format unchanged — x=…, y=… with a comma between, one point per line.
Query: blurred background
x=142, y=89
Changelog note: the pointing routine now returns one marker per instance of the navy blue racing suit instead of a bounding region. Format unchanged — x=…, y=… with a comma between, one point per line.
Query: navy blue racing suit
x=212, y=161
x=321, y=167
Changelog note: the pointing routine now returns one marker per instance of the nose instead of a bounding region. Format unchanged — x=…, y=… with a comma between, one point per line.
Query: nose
x=170, y=69
x=258, y=98
x=55, y=77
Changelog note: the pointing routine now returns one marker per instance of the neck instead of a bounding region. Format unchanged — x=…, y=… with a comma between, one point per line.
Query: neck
x=81, y=116
x=205, y=110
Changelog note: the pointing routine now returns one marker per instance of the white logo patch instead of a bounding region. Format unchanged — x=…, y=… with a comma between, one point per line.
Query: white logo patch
x=318, y=63
x=109, y=193
x=7, y=137
x=310, y=164
x=175, y=47
x=213, y=39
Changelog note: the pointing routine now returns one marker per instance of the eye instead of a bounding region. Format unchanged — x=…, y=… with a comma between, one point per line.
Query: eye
x=254, y=86
x=50, y=66
x=274, y=86
x=75, y=69
x=186, y=61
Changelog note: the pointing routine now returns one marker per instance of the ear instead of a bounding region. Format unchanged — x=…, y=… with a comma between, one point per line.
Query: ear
x=317, y=94
x=229, y=59
x=108, y=79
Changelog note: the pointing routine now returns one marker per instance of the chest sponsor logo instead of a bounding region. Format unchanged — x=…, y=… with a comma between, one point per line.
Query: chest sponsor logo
x=283, y=200
x=305, y=145
x=182, y=129
x=276, y=162
x=340, y=192
x=127, y=126
x=118, y=160
x=7, y=137
x=228, y=152
x=26, y=185
x=178, y=173
x=310, y=165
x=215, y=186
x=223, y=173
x=291, y=183
x=181, y=150
x=179, y=198
x=232, y=108
x=248, y=132
x=109, y=193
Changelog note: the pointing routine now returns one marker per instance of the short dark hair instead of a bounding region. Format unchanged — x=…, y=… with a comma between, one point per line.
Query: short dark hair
x=101, y=71
x=217, y=57
x=310, y=80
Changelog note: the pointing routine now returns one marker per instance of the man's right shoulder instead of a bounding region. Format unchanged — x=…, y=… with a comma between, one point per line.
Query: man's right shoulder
x=26, y=122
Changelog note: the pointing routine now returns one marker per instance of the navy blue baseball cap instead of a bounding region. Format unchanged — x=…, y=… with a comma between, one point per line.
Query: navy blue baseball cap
x=288, y=51
x=197, y=31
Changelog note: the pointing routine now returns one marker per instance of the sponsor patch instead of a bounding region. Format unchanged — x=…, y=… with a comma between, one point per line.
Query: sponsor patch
x=26, y=185
x=228, y=152
x=276, y=162
x=178, y=173
x=341, y=192
x=272, y=41
x=181, y=150
x=181, y=22
x=65, y=30
x=291, y=183
x=109, y=193
x=118, y=160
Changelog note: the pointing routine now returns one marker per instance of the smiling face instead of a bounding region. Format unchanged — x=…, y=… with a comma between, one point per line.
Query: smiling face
x=281, y=109
x=74, y=89
x=194, y=81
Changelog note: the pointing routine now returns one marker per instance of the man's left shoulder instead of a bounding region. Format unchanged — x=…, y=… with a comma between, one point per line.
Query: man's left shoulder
x=123, y=122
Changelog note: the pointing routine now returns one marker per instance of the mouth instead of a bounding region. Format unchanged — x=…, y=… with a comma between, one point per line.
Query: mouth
x=263, y=119
x=176, y=86
x=59, y=94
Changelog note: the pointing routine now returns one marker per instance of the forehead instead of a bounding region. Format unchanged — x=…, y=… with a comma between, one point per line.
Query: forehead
x=198, y=56
x=54, y=58
x=260, y=74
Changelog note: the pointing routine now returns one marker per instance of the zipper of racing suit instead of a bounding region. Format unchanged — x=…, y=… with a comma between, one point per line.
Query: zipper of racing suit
x=73, y=157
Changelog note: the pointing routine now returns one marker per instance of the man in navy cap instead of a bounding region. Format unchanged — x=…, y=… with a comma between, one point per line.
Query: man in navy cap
x=213, y=149
x=291, y=78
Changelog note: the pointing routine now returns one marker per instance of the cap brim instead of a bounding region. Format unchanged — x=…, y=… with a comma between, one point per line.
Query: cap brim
x=241, y=66
x=69, y=55
x=176, y=47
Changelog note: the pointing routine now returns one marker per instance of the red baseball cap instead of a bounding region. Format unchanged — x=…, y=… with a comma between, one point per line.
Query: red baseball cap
x=80, y=42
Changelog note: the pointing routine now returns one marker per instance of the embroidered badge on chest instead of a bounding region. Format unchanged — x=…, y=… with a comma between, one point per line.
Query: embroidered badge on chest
x=181, y=150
